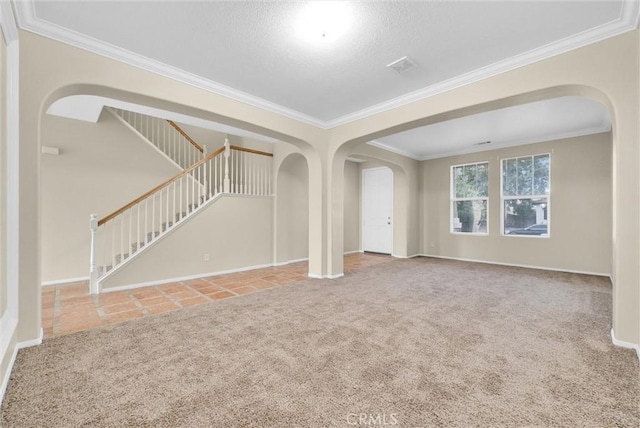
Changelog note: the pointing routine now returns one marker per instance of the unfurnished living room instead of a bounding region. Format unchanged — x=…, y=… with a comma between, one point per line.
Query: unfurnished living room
x=319, y=213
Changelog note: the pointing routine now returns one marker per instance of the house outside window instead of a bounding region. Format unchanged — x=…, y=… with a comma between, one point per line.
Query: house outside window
x=525, y=196
x=470, y=198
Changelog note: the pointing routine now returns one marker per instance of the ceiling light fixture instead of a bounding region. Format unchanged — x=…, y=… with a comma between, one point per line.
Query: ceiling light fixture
x=324, y=21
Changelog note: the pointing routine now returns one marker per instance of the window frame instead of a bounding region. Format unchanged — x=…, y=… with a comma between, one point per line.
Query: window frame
x=453, y=199
x=504, y=198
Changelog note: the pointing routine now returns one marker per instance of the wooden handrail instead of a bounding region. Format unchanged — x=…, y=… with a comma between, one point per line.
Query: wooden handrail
x=255, y=152
x=184, y=134
x=161, y=186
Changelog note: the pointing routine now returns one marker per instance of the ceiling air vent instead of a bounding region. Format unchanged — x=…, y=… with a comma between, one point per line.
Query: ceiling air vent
x=482, y=143
x=403, y=64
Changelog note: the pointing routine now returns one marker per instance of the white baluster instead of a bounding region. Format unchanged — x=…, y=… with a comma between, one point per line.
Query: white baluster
x=174, y=202
x=93, y=267
x=227, y=153
x=205, y=178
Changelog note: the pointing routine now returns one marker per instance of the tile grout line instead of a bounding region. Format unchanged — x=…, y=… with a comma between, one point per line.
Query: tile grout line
x=137, y=304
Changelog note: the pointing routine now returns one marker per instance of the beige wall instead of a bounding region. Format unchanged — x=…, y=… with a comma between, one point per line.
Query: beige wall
x=292, y=210
x=234, y=231
x=352, y=186
x=101, y=167
x=214, y=139
x=580, y=209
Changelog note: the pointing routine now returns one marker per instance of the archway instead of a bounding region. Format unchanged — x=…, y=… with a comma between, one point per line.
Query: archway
x=291, y=228
x=344, y=149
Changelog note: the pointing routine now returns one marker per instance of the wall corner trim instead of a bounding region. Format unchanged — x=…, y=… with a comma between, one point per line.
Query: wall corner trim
x=623, y=344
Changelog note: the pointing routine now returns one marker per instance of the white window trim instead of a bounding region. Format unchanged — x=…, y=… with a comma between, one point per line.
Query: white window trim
x=507, y=198
x=453, y=199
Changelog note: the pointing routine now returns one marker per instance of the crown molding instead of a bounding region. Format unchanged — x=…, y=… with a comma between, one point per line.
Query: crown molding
x=514, y=143
x=27, y=20
x=628, y=21
x=392, y=149
x=8, y=23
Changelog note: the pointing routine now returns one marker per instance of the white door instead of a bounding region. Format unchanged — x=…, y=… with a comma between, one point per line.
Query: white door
x=377, y=210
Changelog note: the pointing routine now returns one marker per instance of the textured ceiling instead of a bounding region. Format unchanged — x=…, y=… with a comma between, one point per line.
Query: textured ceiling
x=254, y=47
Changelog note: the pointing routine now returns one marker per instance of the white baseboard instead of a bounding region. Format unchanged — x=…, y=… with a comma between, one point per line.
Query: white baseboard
x=12, y=361
x=353, y=252
x=183, y=278
x=288, y=262
x=7, y=373
x=64, y=281
x=30, y=343
x=336, y=276
x=314, y=276
x=406, y=257
x=515, y=265
x=624, y=344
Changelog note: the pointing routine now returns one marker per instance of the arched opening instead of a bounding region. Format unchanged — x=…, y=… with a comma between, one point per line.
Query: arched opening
x=117, y=168
x=292, y=210
x=581, y=204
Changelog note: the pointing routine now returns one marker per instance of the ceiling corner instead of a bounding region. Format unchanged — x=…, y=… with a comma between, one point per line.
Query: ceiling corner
x=630, y=13
x=393, y=150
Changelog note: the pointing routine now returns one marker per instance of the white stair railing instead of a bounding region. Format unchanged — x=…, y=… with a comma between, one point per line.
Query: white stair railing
x=165, y=135
x=116, y=238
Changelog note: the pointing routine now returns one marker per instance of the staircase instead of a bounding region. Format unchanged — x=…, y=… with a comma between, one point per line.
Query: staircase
x=119, y=237
x=165, y=135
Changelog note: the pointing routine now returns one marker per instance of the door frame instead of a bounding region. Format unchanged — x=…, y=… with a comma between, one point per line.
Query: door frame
x=362, y=208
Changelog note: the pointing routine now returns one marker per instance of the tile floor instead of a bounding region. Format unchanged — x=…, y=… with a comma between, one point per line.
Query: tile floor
x=69, y=308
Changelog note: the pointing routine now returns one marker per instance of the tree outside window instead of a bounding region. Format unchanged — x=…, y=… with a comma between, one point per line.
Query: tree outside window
x=470, y=198
x=525, y=195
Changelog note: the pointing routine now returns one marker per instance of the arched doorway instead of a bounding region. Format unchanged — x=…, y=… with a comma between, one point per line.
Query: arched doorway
x=291, y=240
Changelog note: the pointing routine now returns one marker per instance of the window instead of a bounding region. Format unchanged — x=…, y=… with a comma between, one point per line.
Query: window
x=469, y=198
x=525, y=196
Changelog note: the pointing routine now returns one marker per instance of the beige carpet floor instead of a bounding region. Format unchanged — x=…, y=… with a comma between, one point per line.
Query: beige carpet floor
x=408, y=343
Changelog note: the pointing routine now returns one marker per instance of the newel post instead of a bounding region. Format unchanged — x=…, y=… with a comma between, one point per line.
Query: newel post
x=227, y=153
x=93, y=267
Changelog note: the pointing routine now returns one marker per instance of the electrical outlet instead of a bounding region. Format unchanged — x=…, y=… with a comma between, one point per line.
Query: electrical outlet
x=206, y=257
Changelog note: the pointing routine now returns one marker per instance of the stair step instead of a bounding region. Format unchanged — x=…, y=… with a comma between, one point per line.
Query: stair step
x=121, y=257
x=137, y=245
x=180, y=216
x=152, y=235
x=102, y=270
x=166, y=225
